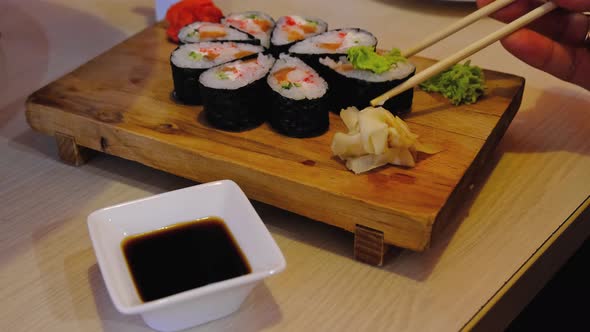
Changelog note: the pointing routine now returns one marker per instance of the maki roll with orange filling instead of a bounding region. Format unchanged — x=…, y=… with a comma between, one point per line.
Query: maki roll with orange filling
x=293, y=28
x=257, y=24
x=299, y=105
x=332, y=43
x=234, y=94
x=206, y=31
x=190, y=60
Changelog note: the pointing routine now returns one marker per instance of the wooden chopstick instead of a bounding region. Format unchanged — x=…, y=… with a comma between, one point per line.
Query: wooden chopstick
x=462, y=23
x=468, y=51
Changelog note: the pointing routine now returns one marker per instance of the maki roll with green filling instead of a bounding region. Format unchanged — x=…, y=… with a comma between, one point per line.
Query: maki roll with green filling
x=190, y=60
x=293, y=28
x=257, y=24
x=234, y=94
x=369, y=74
x=332, y=43
x=206, y=31
x=298, y=99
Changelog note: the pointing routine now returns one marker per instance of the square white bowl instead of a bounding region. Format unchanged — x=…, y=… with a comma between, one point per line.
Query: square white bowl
x=109, y=226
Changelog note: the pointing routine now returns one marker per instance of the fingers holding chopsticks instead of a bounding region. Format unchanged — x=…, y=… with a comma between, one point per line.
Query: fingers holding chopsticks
x=566, y=25
x=571, y=63
x=565, y=62
x=574, y=5
x=556, y=43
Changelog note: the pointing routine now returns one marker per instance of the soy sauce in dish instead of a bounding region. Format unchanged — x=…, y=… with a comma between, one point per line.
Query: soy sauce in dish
x=183, y=256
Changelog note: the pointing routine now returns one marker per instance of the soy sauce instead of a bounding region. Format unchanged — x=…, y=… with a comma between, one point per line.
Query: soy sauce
x=182, y=257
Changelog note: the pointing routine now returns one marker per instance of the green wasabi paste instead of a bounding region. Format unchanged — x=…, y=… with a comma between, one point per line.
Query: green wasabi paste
x=366, y=58
x=462, y=83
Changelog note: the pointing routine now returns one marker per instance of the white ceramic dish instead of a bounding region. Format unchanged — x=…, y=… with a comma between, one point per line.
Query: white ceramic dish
x=109, y=226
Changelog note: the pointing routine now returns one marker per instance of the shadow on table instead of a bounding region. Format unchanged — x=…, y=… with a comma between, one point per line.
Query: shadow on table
x=65, y=280
x=110, y=318
x=37, y=33
x=259, y=310
x=25, y=56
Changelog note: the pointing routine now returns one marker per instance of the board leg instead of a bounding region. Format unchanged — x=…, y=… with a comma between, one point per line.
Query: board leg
x=70, y=152
x=369, y=246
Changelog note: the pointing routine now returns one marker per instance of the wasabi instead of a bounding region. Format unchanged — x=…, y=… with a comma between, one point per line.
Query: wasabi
x=366, y=58
x=462, y=83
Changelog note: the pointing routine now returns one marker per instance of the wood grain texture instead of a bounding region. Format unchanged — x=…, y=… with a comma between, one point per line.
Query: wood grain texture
x=369, y=246
x=119, y=103
x=70, y=152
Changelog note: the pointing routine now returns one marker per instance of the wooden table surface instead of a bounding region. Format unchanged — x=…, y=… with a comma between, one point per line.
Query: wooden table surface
x=524, y=217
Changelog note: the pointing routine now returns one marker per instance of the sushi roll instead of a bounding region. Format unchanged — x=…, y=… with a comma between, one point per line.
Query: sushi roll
x=332, y=43
x=356, y=87
x=298, y=99
x=257, y=24
x=190, y=60
x=234, y=93
x=293, y=28
x=206, y=31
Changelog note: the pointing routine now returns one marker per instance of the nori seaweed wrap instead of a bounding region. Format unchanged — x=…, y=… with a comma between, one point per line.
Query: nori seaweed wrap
x=190, y=60
x=356, y=87
x=299, y=105
x=234, y=93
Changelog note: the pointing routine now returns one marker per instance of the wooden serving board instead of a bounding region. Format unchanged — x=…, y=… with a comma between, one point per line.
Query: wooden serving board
x=119, y=103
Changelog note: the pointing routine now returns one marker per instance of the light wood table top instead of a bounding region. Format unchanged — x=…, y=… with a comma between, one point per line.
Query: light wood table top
x=523, y=219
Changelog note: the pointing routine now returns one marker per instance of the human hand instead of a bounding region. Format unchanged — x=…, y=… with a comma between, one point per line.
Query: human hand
x=555, y=42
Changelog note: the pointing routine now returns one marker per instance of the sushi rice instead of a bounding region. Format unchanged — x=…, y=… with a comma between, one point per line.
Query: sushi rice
x=294, y=28
x=237, y=74
x=207, y=31
x=294, y=79
x=210, y=54
x=257, y=24
x=334, y=42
